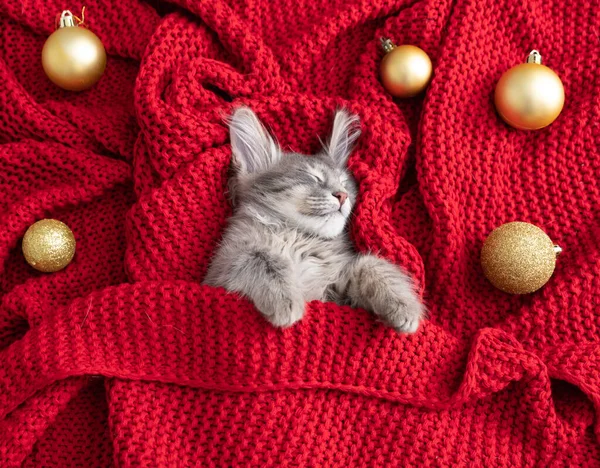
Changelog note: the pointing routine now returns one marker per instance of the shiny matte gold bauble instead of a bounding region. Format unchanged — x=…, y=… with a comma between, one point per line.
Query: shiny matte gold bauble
x=518, y=258
x=529, y=96
x=405, y=70
x=48, y=245
x=73, y=57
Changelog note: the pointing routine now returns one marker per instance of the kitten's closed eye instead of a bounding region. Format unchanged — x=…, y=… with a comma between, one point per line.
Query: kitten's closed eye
x=314, y=177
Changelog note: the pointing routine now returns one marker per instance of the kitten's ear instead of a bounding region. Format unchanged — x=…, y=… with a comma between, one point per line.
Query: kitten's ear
x=253, y=149
x=346, y=130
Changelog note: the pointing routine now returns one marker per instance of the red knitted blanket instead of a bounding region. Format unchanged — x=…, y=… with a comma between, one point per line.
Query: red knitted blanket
x=124, y=358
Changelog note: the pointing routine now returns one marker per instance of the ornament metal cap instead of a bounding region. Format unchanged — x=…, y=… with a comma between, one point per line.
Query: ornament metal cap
x=66, y=20
x=534, y=57
x=386, y=44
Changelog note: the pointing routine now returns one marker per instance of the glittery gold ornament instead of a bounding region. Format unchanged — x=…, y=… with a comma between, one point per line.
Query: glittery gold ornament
x=405, y=70
x=518, y=258
x=73, y=57
x=49, y=245
x=529, y=96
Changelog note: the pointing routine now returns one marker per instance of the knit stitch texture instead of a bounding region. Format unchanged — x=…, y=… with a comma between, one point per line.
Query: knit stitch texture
x=125, y=359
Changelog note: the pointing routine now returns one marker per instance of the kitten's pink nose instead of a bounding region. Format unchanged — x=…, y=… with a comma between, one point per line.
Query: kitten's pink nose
x=341, y=196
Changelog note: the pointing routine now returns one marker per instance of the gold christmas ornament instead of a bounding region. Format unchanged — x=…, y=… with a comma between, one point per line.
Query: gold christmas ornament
x=529, y=96
x=405, y=70
x=518, y=258
x=48, y=245
x=73, y=57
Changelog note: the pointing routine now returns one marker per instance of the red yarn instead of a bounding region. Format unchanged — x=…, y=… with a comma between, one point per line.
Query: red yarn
x=124, y=358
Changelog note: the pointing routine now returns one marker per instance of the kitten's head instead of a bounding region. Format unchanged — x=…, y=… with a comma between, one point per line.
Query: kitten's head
x=311, y=193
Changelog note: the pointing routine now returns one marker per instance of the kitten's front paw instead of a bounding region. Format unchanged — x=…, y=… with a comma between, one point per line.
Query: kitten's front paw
x=283, y=310
x=403, y=312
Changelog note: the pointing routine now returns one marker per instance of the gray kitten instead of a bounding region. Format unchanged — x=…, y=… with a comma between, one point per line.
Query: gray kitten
x=286, y=243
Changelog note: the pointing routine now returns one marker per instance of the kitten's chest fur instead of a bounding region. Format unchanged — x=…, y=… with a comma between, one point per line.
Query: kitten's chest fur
x=319, y=263
x=317, y=267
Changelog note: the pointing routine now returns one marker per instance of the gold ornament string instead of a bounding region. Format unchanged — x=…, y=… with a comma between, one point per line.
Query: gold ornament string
x=81, y=22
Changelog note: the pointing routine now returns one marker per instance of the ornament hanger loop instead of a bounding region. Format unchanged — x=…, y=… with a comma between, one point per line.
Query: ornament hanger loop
x=534, y=57
x=66, y=19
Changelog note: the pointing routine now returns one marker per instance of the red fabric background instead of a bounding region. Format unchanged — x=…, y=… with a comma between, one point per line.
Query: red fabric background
x=124, y=358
